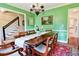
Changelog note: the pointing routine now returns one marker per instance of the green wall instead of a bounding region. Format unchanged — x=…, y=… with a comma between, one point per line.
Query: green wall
x=60, y=20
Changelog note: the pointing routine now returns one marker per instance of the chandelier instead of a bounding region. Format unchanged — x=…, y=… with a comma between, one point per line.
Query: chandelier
x=37, y=8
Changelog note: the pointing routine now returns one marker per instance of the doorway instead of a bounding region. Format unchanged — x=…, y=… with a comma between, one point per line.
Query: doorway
x=73, y=26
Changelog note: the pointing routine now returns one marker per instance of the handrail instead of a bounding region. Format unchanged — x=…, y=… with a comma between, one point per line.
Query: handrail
x=11, y=22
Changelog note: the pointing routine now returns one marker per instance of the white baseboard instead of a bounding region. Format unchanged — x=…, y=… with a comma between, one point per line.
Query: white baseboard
x=62, y=41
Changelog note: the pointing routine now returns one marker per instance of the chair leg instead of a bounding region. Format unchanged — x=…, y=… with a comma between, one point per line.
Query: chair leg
x=50, y=53
x=32, y=52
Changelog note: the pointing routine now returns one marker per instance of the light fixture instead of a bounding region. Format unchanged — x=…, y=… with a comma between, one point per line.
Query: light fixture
x=37, y=8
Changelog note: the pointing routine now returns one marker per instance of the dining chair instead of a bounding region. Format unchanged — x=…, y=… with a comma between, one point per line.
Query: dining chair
x=53, y=40
x=42, y=50
x=31, y=32
x=21, y=34
x=55, y=37
x=10, y=50
x=49, y=30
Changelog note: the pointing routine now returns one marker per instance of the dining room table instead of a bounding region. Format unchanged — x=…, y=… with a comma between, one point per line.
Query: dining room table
x=32, y=40
x=20, y=41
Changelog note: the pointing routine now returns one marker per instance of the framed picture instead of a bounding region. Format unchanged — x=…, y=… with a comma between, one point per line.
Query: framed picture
x=30, y=21
x=47, y=20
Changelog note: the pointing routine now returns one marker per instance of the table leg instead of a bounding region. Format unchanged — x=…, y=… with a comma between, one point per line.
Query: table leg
x=78, y=45
x=28, y=50
x=78, y=49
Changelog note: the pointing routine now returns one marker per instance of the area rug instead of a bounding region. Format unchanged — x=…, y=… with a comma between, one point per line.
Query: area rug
x=62, y=50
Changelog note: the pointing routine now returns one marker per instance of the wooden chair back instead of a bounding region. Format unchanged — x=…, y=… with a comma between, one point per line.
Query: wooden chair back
x=31, y=32
x=46, y=51
x=21, y=34
x=6, y=46
x=55, y=37
x=49, y=30
x=11, y=52
x=47, y=46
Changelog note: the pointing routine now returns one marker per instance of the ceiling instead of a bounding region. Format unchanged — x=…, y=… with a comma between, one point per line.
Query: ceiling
x=47, y=6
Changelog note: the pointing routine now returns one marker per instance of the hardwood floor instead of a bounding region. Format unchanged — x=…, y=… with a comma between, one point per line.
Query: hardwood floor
x=74, y=41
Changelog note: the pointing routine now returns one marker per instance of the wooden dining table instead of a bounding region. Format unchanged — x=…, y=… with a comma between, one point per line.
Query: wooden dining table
x=39, y=40
x=34, y=41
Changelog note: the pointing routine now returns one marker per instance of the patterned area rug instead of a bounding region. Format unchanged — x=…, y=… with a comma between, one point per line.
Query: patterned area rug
x=63, y=50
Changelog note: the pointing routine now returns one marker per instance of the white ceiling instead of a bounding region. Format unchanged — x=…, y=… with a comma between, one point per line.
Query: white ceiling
x=27, y=6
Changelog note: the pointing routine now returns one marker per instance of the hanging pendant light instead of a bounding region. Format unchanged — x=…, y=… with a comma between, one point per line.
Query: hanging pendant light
x=37, y=8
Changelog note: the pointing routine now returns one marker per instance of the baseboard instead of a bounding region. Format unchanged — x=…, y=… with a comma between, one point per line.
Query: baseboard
x=62, y=41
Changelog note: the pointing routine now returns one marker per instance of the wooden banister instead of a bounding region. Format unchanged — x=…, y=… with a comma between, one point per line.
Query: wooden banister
x=11, y=22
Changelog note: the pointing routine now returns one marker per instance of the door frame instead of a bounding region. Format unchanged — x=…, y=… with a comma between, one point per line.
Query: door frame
x=68, y=22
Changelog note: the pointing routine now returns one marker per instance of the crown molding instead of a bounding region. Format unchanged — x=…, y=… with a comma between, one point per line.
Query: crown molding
x=46, y=10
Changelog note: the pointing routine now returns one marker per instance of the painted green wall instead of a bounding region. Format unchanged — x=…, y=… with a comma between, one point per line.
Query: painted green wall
x=60, y=20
